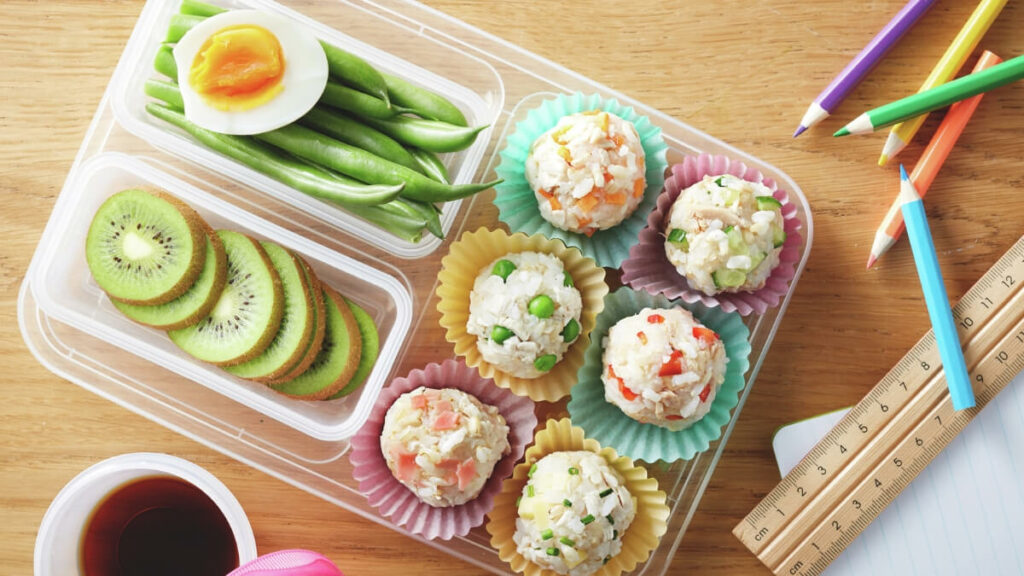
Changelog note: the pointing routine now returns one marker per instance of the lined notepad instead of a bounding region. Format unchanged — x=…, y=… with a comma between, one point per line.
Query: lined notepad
x=963, y=515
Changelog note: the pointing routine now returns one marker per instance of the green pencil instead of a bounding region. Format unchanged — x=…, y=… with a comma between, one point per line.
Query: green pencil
x=944, y=95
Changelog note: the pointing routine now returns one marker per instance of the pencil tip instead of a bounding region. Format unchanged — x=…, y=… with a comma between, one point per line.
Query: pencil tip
x=871, y=261
x=841, y=132
x=799, y=131
x=903, y=173
x=883, y=160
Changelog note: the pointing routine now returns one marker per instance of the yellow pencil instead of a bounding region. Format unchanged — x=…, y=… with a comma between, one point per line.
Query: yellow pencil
x=981, y=19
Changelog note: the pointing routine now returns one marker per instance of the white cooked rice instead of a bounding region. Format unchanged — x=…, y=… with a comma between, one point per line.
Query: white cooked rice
x=592, y=526
x=703, y=211
x=480, y=435
x=505, y=302
x=589, y=155
x=636, y=348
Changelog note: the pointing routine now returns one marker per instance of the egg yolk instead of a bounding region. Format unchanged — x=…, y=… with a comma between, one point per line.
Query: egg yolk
x=238, y=68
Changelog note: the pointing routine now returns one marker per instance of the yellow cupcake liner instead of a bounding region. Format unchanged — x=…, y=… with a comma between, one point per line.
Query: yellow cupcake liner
x=459, y=269
x=639, y=540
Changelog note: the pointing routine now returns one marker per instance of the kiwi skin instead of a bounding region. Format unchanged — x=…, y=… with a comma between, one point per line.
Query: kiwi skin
x=196, y=224
x=320, y=327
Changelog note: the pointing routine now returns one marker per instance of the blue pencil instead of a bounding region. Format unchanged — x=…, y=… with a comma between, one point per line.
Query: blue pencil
x=935, y=294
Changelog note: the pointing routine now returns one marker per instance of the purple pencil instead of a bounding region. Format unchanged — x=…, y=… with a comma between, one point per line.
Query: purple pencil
x=859, y=67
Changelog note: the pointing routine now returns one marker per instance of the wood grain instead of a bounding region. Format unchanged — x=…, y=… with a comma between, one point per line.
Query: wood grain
x=741, y=71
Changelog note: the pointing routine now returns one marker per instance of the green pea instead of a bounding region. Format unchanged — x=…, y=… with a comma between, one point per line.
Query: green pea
x=567, y=279
x=545, y=362
x=503, y=268
x=541, y=306
x=571, y=330
x=499, y=334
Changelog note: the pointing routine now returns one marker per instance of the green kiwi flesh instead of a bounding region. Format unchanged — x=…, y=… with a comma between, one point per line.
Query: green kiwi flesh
x=319, y=327
x=145, y=247
x=368, y=355
x=294, y=335
x=247, y=315
x=337, y=359
x=195, y=303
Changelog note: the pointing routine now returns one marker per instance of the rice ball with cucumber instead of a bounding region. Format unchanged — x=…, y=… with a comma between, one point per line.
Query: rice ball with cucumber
x=725, y=234
x=525, y=311
x=572, y=513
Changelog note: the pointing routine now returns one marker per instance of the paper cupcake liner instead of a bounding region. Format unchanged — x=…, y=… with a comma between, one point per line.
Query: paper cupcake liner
x=647, y=267
x=459, y=269
x=517, y=205
x=606, y=423
x=638, y=541
x=397, y=502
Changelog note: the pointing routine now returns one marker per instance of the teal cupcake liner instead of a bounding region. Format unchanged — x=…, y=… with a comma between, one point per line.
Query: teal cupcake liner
x=517, y=204
x=605, y=423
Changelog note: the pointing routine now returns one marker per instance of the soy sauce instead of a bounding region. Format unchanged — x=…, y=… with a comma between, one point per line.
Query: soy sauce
x=158, y=526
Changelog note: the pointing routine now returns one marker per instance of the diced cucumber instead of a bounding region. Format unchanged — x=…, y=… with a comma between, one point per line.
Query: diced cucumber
x=768, y=203
x=728, y=278
x=756, y=259
x=778, y=236
x=736, y=243
x=677, y=236
x=718, y=181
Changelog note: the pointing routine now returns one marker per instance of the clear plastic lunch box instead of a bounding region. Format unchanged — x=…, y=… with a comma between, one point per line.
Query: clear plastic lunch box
x=73, y=330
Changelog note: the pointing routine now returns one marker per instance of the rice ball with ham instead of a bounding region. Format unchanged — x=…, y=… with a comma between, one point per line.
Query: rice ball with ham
x=663, y=367
x=587, y=173
x=443, y=444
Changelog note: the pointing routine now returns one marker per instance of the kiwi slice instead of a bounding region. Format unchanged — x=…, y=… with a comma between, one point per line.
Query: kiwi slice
x=368, y=356
x=338, y=357
x=145, y=247
x=248, y=313
x=319, y=328
x=195, y=303
x=296, y=329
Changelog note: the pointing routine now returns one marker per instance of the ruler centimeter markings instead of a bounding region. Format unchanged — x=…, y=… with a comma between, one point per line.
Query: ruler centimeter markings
x=885, y=441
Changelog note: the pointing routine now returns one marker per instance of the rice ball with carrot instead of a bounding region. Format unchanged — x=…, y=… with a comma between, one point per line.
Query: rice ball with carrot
x=587, y=173
x=443, y=444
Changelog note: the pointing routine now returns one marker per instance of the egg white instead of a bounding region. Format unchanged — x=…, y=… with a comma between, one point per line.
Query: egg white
x=303, y=82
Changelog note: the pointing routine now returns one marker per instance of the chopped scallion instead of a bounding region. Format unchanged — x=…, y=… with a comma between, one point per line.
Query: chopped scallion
x=606, y=492
x=547, y=534
x=529, y=491
x=610, y=519
x=587, y=519
x=552, y=551
x=567, y=541
x=568, y=503
x=533, y=469
x=573, y=471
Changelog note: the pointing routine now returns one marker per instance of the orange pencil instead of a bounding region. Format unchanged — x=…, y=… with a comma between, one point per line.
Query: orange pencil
x=931, y=161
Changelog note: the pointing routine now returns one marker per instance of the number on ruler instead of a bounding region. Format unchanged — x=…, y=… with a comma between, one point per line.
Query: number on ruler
x=863, y=428
x=856, y=504
x=800, y=490
x=877, y=483
x=938, y=419
x=918, y=441
x=1008, y=281
x=1002, y=357
x=979, y=378
x=897, y=462
x=1020, y=336
x=835, y=524
x=781, y=513
x=967, y=322
x=986, y=302
x=821, y=470
x=883, y=407
x=842, y=449
x=925, y=365
x=904, y=384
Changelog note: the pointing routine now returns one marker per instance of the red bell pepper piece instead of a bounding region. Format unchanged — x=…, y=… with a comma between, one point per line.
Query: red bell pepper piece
x=672, y=366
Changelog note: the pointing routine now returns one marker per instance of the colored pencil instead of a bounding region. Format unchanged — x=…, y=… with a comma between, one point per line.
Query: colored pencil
x=917, y=104
x=931, y=161
x=862, y=63
x=935, y=298
x=945, y=69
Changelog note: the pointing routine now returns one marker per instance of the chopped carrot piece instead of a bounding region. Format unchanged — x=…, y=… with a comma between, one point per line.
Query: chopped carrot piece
x=619, y=140
x=419, y=402
x=552, y=200
x=616, y=199
x=604, y=122
x=564, y=153
x=642, y=337
x=590, y=232
x=705, y=392
x=587, y=203
x=673, y=417
x=583, y=222
x=466, y=473
x=557, y=134
x=638, y=187
x=672, y=366
x=607, y=177
x=655, y=319
x=705, y=335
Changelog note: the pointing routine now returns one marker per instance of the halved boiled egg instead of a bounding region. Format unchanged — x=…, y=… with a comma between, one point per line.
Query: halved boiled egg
x=247, y=72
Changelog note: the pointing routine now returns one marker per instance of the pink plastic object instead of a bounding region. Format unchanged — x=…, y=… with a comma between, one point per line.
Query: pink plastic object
x=289, y=563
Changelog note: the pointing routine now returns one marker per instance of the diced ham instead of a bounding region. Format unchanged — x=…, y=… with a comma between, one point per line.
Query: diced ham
x=432, y=394
x=466, y=473
x=419, y=401
x=446, y=420
x=406, y=464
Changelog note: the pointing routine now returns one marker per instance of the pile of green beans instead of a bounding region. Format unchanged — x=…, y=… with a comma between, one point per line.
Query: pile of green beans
x=371, y=143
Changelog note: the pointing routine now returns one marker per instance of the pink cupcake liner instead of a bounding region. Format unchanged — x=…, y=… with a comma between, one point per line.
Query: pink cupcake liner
x=647, y=267
x=398, y=503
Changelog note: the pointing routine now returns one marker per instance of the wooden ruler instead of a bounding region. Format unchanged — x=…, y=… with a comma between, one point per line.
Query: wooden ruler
x=882, y=444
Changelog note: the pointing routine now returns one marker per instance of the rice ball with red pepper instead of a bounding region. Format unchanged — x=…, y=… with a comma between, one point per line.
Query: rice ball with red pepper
x=573, y=513
x=663, y=367
x=587, y=172
x=443, y=444
x=525, y=312
x=725, y=234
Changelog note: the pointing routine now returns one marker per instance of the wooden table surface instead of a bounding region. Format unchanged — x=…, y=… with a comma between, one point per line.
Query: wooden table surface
x=742, y=71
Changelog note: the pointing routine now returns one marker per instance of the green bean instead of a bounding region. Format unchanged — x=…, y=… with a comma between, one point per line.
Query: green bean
x=359, y=135
x=349, y=100
x=429, y=212
x=181, y=24
x=362, y=165
x=164, y=62
x=166, y=91
x=196, y=8
x=431, y=135
x=423, y=102
x=263, y=159
x=397, y=222
x=430, y=164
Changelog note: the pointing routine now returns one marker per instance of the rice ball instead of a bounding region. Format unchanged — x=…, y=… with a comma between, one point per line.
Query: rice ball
x=525, y=312
x=663, y=367
x=725, y=234
x=587, y=173
x=443, y=444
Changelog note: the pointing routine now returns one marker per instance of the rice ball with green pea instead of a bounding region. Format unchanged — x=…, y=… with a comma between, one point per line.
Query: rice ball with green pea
x=525, y=311
x=725, y=234
x=573, y=513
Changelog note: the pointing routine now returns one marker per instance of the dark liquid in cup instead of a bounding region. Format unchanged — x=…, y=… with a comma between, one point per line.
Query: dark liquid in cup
x=158, y=526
